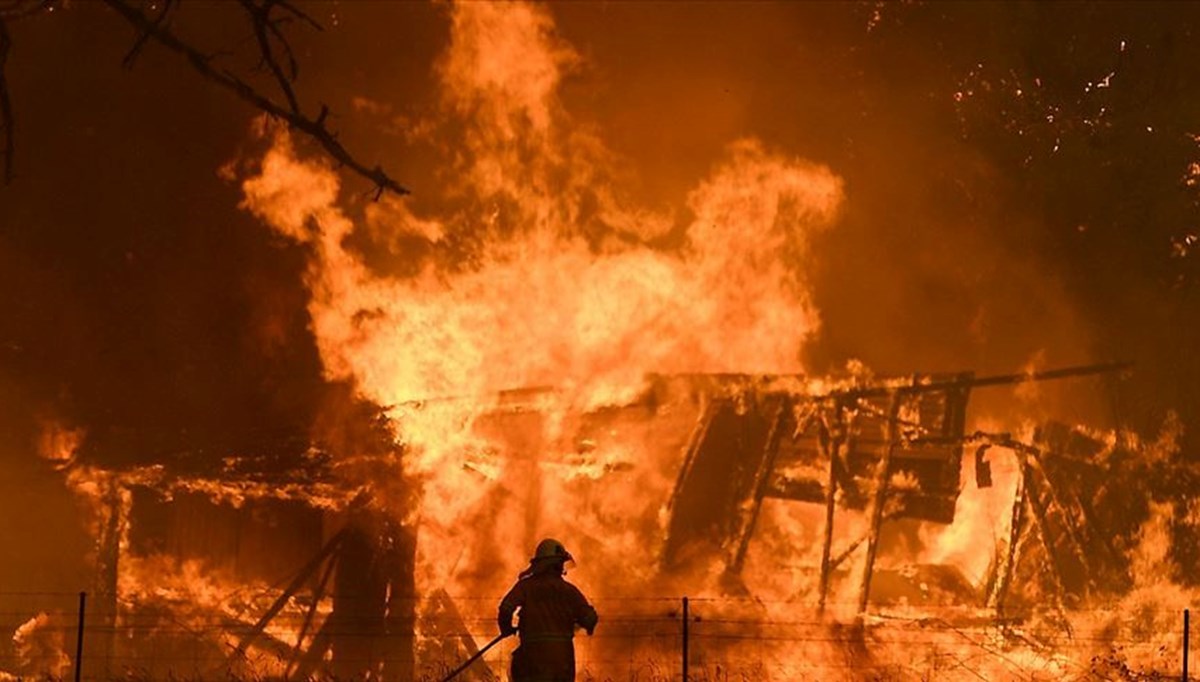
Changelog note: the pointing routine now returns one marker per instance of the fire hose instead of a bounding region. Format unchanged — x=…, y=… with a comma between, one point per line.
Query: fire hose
x=475, y=657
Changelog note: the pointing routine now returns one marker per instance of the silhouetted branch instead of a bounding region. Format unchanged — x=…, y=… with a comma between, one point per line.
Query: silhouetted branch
x=19, y=9
x=11, y=10
x=260, y=16
x=293, y=66
x=273, y=26
x=160, y=20
x=6, y=117
x=298, y=13
x=291, y=113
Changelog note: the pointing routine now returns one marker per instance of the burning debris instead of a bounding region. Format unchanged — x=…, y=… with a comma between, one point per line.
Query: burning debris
x=274, y=564
x=894, y=450
x=297, y=571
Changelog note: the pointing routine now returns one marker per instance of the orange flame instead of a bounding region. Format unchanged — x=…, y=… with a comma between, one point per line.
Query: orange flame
x=571, y=288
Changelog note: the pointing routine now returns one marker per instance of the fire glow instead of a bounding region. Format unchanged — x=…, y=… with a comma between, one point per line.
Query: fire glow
x=557, y=374
x=567, y=291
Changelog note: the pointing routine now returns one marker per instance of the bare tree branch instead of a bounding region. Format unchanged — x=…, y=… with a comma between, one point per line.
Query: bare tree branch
x=293, y=65
x=12, y=10
x=19, y=9
x=260, y=16
x=291, y=113
x=6, y=116
x=160, y=20
x=274, y=27
x=298, y=13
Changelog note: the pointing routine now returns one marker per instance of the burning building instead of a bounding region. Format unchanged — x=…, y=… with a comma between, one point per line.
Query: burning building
x=539, y=350
x=296, y=562
x=260, y=561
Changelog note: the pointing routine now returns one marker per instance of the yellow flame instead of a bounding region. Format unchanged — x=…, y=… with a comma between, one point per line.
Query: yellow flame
x=569, y=289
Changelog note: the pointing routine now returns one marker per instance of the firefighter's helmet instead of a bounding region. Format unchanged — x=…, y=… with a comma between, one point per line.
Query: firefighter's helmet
x=551, y=550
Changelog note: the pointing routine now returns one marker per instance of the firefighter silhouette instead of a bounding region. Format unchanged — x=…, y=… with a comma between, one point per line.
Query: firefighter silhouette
x=550, y=608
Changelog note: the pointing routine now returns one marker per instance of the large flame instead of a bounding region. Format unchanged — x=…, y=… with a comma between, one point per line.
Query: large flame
x=540, y=270
x=512, y=335
x=567, y=288
x=569, y=284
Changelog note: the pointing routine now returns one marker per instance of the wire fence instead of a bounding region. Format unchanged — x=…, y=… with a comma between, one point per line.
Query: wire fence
x=639, y=639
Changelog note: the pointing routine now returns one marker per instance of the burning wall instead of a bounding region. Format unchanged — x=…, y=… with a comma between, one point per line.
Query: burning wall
x=248, y=569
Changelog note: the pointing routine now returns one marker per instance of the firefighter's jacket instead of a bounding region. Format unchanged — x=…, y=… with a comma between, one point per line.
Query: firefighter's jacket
x=551, y=608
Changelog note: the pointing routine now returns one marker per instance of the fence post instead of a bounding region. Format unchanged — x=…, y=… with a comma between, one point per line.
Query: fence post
x=685, y=639
x=1185, y=645
x=79, y=639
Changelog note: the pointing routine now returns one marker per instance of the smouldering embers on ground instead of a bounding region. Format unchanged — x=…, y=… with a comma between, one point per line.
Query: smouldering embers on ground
x=567, y=282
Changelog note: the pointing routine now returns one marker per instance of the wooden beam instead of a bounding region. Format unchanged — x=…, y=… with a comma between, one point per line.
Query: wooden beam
x=762, y=478
x=878, y=500
x=830, y=450
x=318, y=595
x=1005, y=570
x=298, y=582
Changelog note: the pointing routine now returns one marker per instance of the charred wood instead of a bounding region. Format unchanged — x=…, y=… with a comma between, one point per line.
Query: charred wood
x=295, y=586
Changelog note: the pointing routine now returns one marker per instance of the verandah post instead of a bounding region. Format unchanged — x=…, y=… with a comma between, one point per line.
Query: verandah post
x=79, y=638
x=685, y=639
x=1185, y=645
